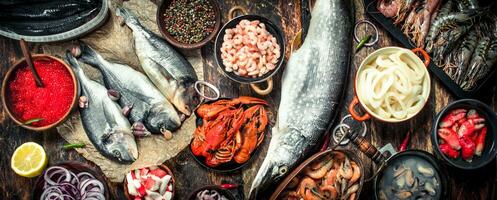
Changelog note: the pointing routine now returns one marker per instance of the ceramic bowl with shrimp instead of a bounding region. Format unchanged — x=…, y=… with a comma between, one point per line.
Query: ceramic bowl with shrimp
x=249, y=49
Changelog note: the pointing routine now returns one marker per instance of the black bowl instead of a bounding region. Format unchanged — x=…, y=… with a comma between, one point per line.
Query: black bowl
x=271, y=28
x=489, y=151
x=413, y=154
x=230, y=166
x=221, y=191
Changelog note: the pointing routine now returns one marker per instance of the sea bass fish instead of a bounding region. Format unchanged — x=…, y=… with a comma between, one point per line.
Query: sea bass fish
x=171, y=73
x=150, y=110
x=103, y=122
x=312, y=87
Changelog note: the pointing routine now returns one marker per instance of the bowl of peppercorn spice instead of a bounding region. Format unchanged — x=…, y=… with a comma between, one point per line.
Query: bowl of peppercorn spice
x=188, y=24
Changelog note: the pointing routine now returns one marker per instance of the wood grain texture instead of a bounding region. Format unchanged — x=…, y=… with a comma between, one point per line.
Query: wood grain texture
x=189, y=175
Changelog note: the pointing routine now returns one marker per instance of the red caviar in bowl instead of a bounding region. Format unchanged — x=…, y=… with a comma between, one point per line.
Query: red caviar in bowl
x=50, y=102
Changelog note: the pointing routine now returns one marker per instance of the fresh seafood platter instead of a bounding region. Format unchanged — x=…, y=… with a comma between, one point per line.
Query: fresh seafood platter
x=459, y=35
x=248, y=100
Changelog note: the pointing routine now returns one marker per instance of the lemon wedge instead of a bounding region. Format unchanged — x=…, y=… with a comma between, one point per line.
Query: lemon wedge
x=29, y=160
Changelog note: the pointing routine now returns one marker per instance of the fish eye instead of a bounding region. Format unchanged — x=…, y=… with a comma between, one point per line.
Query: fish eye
x=117, y=153
x=283, y=170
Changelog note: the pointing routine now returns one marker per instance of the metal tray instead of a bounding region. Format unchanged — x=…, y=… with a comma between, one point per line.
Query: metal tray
x=89, y=26
x=371, y=10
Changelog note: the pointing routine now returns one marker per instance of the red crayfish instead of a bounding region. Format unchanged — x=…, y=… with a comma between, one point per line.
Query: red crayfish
x=230, y=130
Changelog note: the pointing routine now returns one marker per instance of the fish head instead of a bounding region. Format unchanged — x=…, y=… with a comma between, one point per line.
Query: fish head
x=162, y=117
x=120, y=144
x=186, y=98
x=284, y=154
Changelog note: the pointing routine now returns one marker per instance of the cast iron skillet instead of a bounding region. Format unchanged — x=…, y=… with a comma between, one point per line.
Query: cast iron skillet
x=221, y=191
x=271, y=28
x=230, y=166
x=316, y=156
x=490, y=149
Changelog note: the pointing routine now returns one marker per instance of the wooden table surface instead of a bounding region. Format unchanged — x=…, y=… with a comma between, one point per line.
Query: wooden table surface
x=189, y=175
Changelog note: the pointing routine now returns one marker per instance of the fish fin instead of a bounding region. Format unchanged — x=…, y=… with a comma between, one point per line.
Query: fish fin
x=140, y=97
x=89, y=56
x=72, y=61
x=127, y=15
x=165, y=74
x=78, y=71
x=111, y=120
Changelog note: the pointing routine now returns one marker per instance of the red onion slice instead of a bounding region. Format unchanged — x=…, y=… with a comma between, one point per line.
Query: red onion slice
x=62, y=184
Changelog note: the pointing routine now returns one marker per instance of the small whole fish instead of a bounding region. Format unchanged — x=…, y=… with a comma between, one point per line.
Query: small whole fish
x=150, y=112
x=103, y=122
x=312, y=83
x=171, y=73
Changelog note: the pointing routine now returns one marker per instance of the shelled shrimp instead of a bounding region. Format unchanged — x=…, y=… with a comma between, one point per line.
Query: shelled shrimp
x=249, y=50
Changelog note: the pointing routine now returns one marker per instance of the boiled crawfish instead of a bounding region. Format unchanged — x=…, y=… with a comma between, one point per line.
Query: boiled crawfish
x=230, y=130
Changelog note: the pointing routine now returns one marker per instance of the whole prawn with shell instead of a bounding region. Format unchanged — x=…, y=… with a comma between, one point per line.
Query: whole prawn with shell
x=229, y=130
x=333, y=176
x=416, y=16
x=249, y=50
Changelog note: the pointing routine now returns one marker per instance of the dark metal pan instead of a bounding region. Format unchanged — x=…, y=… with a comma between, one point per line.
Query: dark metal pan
x=371, y=9
x=387, y=156
x=271, y=28
x=317, y=156
x=490, y=150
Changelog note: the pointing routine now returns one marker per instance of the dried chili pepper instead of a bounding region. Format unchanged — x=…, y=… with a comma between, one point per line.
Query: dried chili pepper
x=405, y=142
x=228, y=186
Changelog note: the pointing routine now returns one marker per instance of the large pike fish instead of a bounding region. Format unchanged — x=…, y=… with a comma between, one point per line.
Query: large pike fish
x=105, y=125
x=312, y=87
x=150, y=110
x=171, y=73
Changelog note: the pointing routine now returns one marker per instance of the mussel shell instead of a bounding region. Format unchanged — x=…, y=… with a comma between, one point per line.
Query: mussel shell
x=414, y=154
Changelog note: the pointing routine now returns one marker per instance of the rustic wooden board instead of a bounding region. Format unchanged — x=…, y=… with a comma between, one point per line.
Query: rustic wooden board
x=189, y=175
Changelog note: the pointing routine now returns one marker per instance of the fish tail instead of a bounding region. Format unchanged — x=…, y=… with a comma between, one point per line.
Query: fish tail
x=75, y=66
x=73, y=62
x=129, y=18
x=89, y=56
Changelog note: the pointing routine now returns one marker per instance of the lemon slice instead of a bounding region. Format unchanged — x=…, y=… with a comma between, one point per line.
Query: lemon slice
x=29, y=160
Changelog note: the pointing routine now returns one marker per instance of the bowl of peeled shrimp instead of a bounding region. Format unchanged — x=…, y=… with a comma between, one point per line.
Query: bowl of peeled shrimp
x=249, y=49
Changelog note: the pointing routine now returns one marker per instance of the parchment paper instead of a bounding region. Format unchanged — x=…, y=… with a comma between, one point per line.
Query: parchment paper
x=115, y=43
